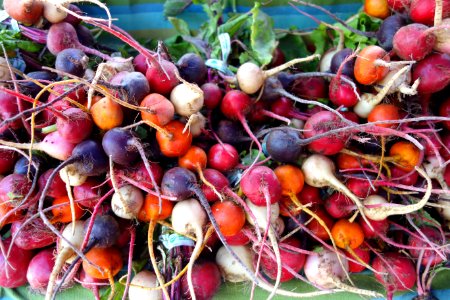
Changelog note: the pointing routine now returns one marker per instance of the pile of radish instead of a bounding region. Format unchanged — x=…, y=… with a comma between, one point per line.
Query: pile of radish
x=161, y=176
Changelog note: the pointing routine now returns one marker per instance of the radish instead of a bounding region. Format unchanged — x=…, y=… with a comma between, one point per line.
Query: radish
x=142, y=280
x=250, y=77
x=261, y=186
x=223, y=157
x=429, y=257
x=433, y=72
x=424, y=11
x=206, y=279
x=187, y=99
x=324, y=269
x=62, y=36
x=72, y=61
x=39, y=270
x=52, y=12
x=381, y=212
x=442, y=37
x=284, y=145
x=400, y=84
x=414, y=41
x=326, y=177
x=13, y=270
x=192, y=68
x=76, y=127
x=24, y=11
x=196, y=124
x=34, y=235
x=75, y=235
x=161, y=76
x=395, y=272
x=231, y=271
x=127, y=201
x=188, y=217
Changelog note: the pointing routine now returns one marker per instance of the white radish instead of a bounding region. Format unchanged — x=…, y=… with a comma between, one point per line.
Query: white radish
x=324, y=269
x=188, y=217
x=381, y=212
x=196, y=123
x=187, y=98
x=230, y=269
x=401, y=84
x=369, y=101
x=140, y=287
x=127, y=201
x=70, y=176
x=53, y=13
x=251, y=78
x=65, y=252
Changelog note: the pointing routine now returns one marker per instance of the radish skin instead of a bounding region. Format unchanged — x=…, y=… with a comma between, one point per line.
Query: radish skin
x=127, y=201
x=140, y=284
x=187, y=99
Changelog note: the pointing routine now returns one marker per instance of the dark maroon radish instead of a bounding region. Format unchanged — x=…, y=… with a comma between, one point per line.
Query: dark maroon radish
x=230, y=132
x=192, y=68
x=409, y=180
x=284, y=145
x=339, y=206
x=140, y=63
x=89, y=158
x=72, y=61
x=395, y=273
x=76, y=127
x=261, y=186
x=85, y=35
x=429, y=257
x=339, y=58
x=14, y=272
x=8, y=109
x=7, y=160
x=310, y=88
x=161, y=78
x=388, y=28
x=135, y=85
x=72, y=19
x=444, y=111
x=422, y=11
x=39, y=270
x=30, y=88
x=63, y=35
x=33, y=235
x=14, y=188
x=212, y=95
x=434, y=73
x=413, y=42
x=218, y=180
x=24, y=11
x=399, y=5
x=223, y=157
x=289, y=258
x=118, y=143
x=206, y=280
x=322, y=122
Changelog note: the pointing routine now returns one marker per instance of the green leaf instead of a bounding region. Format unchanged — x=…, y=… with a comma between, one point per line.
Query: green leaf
x=262, y=36
x=120, y=289
x=320, y=39
x=248, y=158
x=180, y=26
x=293, y=46
x=173, y=8
x=233, y=24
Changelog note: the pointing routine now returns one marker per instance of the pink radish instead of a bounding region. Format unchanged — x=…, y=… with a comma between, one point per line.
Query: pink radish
x=433, y=72
x=13, y=271
x=39, y=270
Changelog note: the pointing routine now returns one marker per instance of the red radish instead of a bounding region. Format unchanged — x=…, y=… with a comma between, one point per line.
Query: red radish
x=88, y=192
x=363, y=254
x=399, y=5
x=34, y=235
x=379, y=227
x=8, y=109
x=212, y=95
x=218, y=181
x=24, y=11
x=291, y=259
x=140, y=63
x=360, y=187
x=13, y=271
x=341, y=93
x=322, y=122
x=188, y=217
x=223, y=157
x=339, y=206
x=310, y=88
x=206, y=279
x=413, y=42
x=429, y=257
x=310, y=194
x=396, y=272
x=39, y=270
x=324, y=269
x=162, y=77
x=76, y=127
x=433, y=72
x=57, y=187
x=239, y=239
x=142, y=280
x=224, y=212
x=261, y=186
x=14, y=188
x=410, y=180
x=423, y=11
x=62, y=35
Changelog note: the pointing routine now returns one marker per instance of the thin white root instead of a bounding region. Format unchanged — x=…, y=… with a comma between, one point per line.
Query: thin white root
x=195, y=253
x=276, y=250
x=354, y=290
x=288, y=64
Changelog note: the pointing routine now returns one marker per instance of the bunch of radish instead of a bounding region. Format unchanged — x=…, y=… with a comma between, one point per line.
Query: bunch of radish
x=168, y=177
